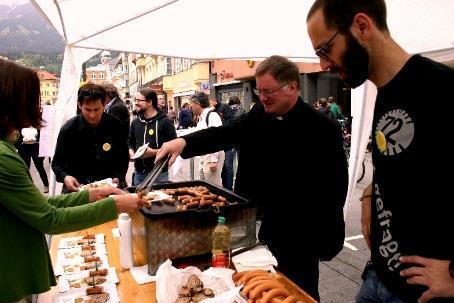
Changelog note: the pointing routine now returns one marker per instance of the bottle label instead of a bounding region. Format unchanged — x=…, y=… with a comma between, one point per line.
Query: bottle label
x=219, y=260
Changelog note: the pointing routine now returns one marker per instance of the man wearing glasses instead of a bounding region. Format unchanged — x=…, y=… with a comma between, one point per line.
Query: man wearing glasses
x=308, y=208
x=152, y=127
x=92, y=146
x=352, y=39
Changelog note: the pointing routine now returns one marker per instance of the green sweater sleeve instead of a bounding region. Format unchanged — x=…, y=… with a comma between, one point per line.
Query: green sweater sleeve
x=54, y=215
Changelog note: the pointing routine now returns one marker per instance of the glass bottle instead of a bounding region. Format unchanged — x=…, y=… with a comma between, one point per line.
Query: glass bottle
x=221, y=245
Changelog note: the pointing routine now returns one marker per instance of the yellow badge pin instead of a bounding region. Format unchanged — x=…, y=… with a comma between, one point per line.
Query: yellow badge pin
x=106, y=146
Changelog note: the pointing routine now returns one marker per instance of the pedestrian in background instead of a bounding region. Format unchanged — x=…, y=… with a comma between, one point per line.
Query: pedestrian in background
x=152, y=127
x=185, y=117
x=29, y=149
x=405, y=211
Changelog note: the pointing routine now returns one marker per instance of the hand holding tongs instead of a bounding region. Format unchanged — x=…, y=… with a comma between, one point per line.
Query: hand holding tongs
x=145, y=187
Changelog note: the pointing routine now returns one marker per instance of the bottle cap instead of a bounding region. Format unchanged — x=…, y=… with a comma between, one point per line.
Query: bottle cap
x=221, y=220
x=123, y=216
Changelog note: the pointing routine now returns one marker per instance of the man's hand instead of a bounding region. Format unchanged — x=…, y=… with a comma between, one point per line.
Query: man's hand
x=432, y=273
x=128, y=203
x=173, y=148
x=71, y=183
x=150, y=152
x=366, y=213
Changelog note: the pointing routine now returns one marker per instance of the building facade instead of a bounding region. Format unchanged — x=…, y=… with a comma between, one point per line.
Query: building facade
x=49, y=84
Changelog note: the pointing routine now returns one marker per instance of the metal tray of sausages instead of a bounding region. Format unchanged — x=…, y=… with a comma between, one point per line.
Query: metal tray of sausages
x=162, y=209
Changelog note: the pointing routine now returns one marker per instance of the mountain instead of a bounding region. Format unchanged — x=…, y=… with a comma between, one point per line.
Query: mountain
x=23, y=29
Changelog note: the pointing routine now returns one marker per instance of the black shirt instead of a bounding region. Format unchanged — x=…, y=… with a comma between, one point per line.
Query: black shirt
x=410, y=209
x=90, y=154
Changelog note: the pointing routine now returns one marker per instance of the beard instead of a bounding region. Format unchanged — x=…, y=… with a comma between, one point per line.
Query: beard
x=355, y=62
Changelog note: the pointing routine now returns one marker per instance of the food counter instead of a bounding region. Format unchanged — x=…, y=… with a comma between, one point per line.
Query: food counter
x=128, y=290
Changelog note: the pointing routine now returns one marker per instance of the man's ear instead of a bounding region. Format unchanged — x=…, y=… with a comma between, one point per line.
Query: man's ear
x=361, y=26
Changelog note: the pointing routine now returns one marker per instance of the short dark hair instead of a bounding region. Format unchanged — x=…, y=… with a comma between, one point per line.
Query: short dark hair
x=234, y=100
x=200, y=98
x=339, y=14
x=281, y=68
x=111, y=90
x=91, y=92
x=150, y=95
x=19, y=98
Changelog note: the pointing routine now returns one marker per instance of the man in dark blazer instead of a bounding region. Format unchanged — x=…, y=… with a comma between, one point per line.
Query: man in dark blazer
x=306, y=209
x=115, y=106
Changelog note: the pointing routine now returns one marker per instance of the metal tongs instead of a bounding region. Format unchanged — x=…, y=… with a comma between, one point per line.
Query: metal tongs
x=145, y=187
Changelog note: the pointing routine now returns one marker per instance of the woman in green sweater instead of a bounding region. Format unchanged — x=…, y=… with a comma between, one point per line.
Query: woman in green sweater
x=25, y=214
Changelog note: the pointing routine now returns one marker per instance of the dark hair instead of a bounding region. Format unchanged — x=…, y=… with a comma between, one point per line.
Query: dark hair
x=339, y=14
x=234, y=100
x=111, y=90
x=91, y=92
x=19, y=98
x=281, y=68
x=200, y=98
x=150, y=95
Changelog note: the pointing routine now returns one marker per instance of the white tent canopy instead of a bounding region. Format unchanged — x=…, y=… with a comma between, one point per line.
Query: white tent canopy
x=228, y=29
x=232, y=29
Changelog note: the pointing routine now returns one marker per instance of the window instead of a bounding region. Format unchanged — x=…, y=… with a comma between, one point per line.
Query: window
x=169, y=66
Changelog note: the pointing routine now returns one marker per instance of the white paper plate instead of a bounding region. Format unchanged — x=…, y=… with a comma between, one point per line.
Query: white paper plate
x=140, y=151
x=104, y=182
x=157, y=195
x=74, y=241
x=73, y=295
x=75, y=266
x=76, y=253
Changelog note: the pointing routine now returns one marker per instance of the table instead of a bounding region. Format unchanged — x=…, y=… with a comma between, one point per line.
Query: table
x=128, y=290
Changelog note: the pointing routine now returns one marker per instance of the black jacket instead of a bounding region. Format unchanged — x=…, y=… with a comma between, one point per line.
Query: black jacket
x=155, y=131
x=119, y=109
x=91, y=154
x=301, y=191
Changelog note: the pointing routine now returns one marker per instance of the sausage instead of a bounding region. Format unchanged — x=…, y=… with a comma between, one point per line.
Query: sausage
x=290, y=299
x=193, y=199
x=209, y=197
x=206, y=202
x=100, y=272
x=182, y=197
x=94, y=290
x=91, y=259
x=192, y=205
x=275, y=292
x=186, y=201
x=238, y=275
x=250, y=286
x=250, y=274
x=265, y=286
x=222, y=199
x=218, y=204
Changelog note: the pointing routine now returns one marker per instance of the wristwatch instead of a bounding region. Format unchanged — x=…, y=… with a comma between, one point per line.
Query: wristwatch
x=451, y=268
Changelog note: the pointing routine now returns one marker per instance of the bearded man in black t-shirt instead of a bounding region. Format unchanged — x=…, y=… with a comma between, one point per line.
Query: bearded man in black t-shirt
x=405, y=213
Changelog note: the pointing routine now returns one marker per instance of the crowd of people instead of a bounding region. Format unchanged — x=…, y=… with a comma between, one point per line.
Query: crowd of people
x=403, y=218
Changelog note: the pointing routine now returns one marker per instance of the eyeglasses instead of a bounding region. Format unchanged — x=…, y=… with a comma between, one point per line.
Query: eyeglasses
x=323, y=51
x=268, y=93
x=138, y=100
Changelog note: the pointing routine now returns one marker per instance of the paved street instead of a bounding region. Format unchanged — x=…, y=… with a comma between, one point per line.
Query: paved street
x=340, y=278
